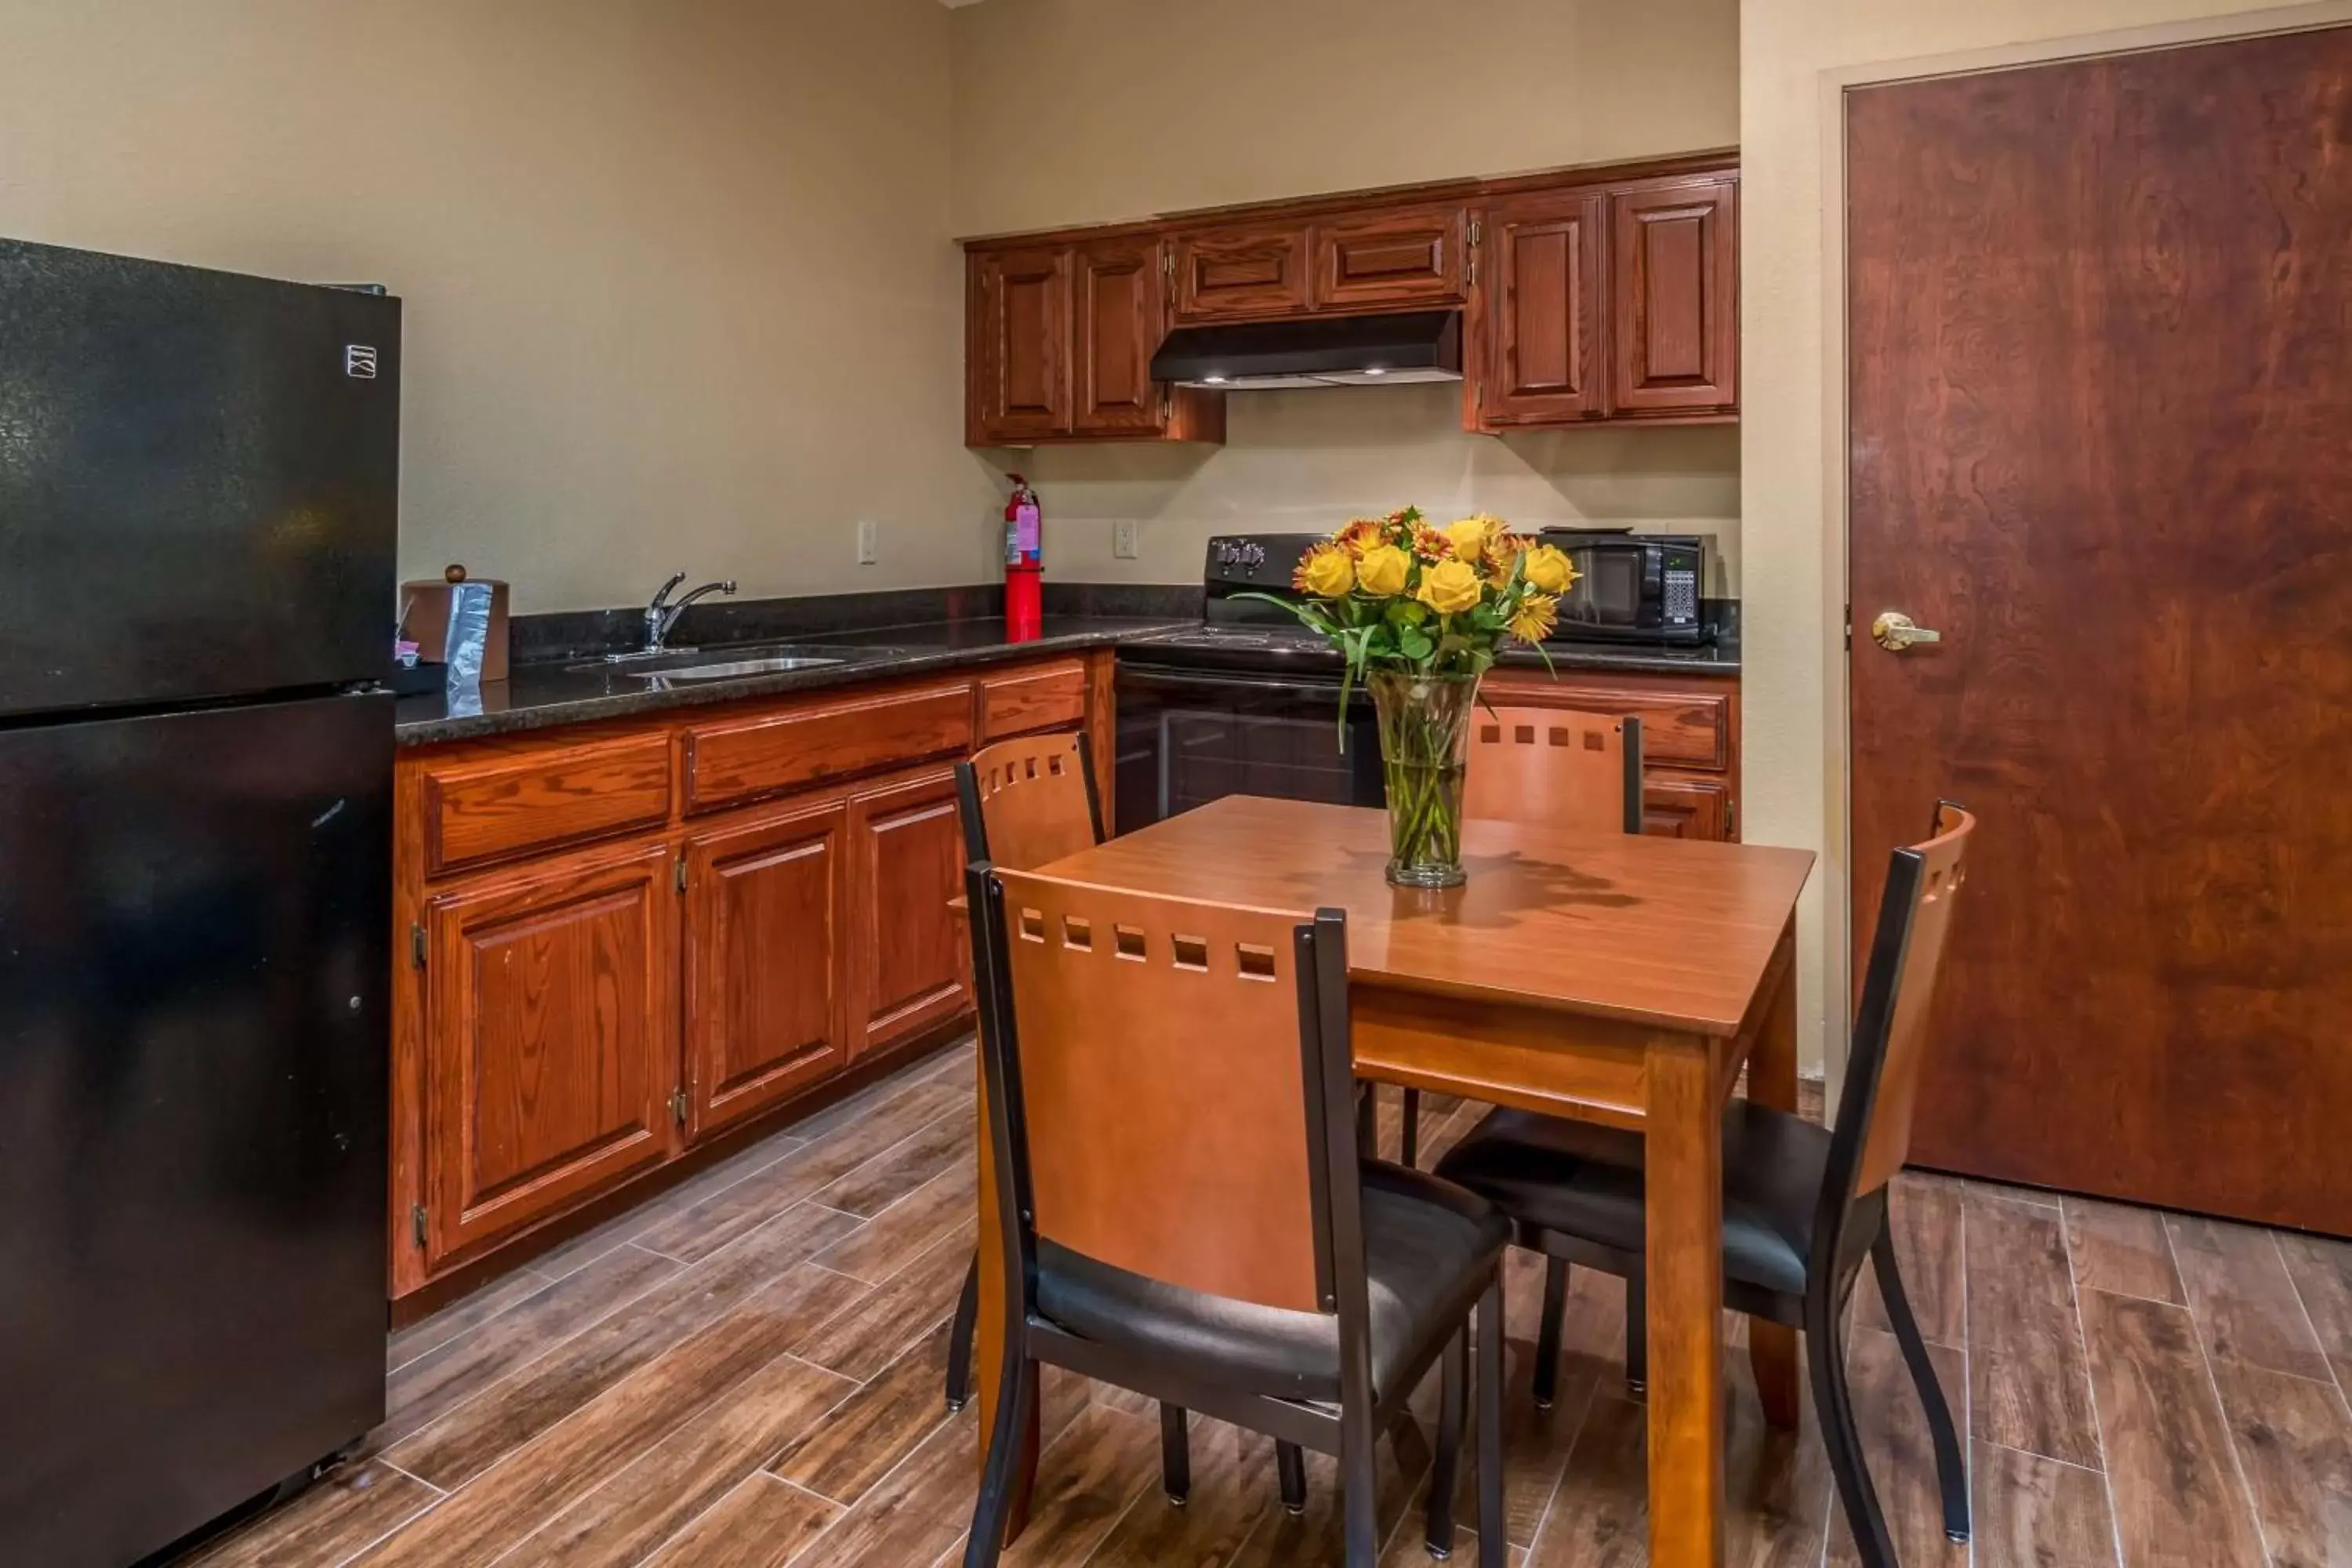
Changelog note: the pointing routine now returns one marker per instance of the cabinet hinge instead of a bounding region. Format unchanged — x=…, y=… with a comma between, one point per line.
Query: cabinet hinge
x=677, y=1107
x=416, y=1222
x=679, y=873
x=1477, y=232
x=416, y=946
x=1168, y=263
x=1731, y=820
x=1470, y=274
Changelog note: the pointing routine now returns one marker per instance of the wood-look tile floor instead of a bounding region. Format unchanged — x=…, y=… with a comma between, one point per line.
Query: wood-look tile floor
x=747, y=1372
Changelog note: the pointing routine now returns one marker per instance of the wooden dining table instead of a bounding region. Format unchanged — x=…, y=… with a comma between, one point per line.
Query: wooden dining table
x=1604, y=977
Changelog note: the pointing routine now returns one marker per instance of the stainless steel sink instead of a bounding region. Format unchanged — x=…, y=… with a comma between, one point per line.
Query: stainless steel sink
x=735, y=668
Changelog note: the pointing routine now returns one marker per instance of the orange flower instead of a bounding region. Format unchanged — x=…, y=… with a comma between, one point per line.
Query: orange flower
x=1431, y=543
x=1361, y=534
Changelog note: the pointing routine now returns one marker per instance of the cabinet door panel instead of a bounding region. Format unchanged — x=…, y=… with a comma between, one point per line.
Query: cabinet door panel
x=1685, y=809
x=1230, y=274
x=550, y=1040
x=1411, y=256
x=1674, y=288
x=1542, y=364
x=1021, y=360
x=765, y=1007
x=908, y=865
x=1120, y=310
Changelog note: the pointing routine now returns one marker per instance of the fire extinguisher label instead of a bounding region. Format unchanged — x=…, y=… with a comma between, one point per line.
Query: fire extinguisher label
x=1028, y=548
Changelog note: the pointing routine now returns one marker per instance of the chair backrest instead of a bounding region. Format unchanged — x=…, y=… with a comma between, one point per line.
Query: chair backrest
x=1557, y=765
x=1898, y=992
x=1029, y=801
x=1163, y=1077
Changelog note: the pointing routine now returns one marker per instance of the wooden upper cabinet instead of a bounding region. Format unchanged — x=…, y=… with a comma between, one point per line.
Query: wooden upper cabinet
x=1240, y=272
x=550, y=1040
x=1542, y=312
x=1390, y=260
x=766, y=1011
x=906, y=866
x=1020, y=350
x=1118, y=290
x=1674, y=283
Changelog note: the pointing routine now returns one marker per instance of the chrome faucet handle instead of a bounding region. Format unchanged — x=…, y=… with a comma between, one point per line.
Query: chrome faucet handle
x=661, y=595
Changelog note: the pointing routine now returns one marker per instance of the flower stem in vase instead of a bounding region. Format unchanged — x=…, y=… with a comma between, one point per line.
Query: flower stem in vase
x=1425, y=722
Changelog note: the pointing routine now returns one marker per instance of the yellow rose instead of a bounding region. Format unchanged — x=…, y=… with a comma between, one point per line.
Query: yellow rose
x=1450, y=587
x=1534, y=619
x=1548, y=570
x=1468, y=538
x=1382, y=570
x=1326, y=570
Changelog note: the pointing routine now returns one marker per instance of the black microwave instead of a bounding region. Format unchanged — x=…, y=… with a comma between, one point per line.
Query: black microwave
x=1634, y=587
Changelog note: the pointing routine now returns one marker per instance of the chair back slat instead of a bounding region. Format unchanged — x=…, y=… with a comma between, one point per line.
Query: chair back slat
x=1036, y=799
x=1555, y=765
x=1914, y=918
x=1165, y=1074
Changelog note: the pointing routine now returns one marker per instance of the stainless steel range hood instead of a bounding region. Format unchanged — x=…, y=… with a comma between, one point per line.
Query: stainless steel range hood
x=1327, y=351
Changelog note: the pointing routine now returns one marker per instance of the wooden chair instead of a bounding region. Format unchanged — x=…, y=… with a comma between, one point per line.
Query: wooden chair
x=1022, y=802
x=1802, y=1206
x=1169, y=1085
x=1546, y=765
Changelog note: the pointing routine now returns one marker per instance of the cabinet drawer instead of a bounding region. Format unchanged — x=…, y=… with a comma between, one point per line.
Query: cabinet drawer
x=1408, y=257
x=1053, y=698
x=734, y=761
x=1679, y=729
x=1232, y=273
x=489, y=808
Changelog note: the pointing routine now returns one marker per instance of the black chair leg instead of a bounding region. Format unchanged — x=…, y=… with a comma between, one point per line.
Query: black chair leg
x=1840, y=1435
x=1290, y=1466
x=1360, y=1487
x=1447, y=1468
x=1555, y=1308
x=1019, y=1384
x=1494, y=1543
x=967, y=1319
x=1412, y=1127
x=1175, y=1455
x=1637, y=1336
x=1951, y=1469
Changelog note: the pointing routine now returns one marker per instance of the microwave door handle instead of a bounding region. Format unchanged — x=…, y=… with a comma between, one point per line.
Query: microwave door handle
x=1196, y=680
x=1653, y=574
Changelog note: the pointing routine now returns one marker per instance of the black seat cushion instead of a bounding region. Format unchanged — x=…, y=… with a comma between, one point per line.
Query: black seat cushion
x=1586, y=1181
x=1429, y=1249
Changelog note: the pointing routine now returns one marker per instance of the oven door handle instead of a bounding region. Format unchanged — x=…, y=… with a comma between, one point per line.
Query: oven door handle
x=1168, y=678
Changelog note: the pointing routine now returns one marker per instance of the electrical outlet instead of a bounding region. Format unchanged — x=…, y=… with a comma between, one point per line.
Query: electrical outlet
x=869, y=544
x=1122, y=538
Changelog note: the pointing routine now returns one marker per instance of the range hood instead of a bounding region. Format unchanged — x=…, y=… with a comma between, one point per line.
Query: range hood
x=1323, y=350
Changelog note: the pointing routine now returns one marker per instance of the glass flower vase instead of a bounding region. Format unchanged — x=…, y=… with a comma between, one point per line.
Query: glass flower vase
x=1424, y=723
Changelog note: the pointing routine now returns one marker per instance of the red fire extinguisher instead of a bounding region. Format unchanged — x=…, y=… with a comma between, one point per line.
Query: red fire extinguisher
x=1024, y=564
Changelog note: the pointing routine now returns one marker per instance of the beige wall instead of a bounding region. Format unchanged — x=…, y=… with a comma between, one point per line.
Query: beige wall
x=1305, y=460
x=1795, y=57
x=680, y=293
x=1087, y=110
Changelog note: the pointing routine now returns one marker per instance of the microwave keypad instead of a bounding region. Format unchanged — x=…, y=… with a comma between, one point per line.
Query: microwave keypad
x=1682, y=598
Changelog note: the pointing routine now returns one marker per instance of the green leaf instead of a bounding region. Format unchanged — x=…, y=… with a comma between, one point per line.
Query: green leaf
x=1415, y=646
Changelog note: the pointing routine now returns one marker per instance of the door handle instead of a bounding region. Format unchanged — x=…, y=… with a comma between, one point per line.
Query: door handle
x=1894, y=631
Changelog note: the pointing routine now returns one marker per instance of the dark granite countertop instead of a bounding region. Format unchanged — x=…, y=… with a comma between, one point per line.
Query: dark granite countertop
x=541, y=695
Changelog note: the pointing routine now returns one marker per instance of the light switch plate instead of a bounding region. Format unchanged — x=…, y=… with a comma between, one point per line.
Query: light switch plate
x=869, y=544
x=1122, y=538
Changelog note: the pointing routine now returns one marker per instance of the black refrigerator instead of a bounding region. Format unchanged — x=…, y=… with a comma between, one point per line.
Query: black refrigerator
x=198, y=497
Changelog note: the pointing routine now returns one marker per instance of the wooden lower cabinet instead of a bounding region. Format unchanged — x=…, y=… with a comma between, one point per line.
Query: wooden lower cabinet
x=908, y=845
x=1690, y=737
x=585, y=996
x=766, y=1007
x=552, y=1056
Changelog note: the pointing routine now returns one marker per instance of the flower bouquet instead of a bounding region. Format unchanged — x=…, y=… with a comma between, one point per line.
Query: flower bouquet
x=1418, y=613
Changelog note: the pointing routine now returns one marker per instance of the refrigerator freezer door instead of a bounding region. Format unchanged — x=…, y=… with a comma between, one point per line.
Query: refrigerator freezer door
x=199, y=475
x=194, y=1007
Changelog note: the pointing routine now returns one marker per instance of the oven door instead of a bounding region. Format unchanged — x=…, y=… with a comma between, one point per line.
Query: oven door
x=1187, y=737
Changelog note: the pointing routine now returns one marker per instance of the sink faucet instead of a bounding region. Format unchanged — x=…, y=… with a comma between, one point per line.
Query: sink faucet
x=661, y=615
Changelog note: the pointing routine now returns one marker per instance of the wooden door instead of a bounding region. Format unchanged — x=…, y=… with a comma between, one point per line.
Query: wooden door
x=1020, y=359
x=766, y=910
x=1541, y=317
x=1674, y=290
x=1401, y=258
x=550, y=1040
x=906, y=865
x=1120, y=313
x=2100, y=383
x=1240, y=272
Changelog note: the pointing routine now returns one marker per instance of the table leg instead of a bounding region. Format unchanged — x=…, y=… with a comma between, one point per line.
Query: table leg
x=1684, y=1270
x=1772, y=1080
x=988, y=1338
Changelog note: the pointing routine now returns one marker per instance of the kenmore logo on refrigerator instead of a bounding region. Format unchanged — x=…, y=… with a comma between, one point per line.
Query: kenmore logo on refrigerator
x=359, y=360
